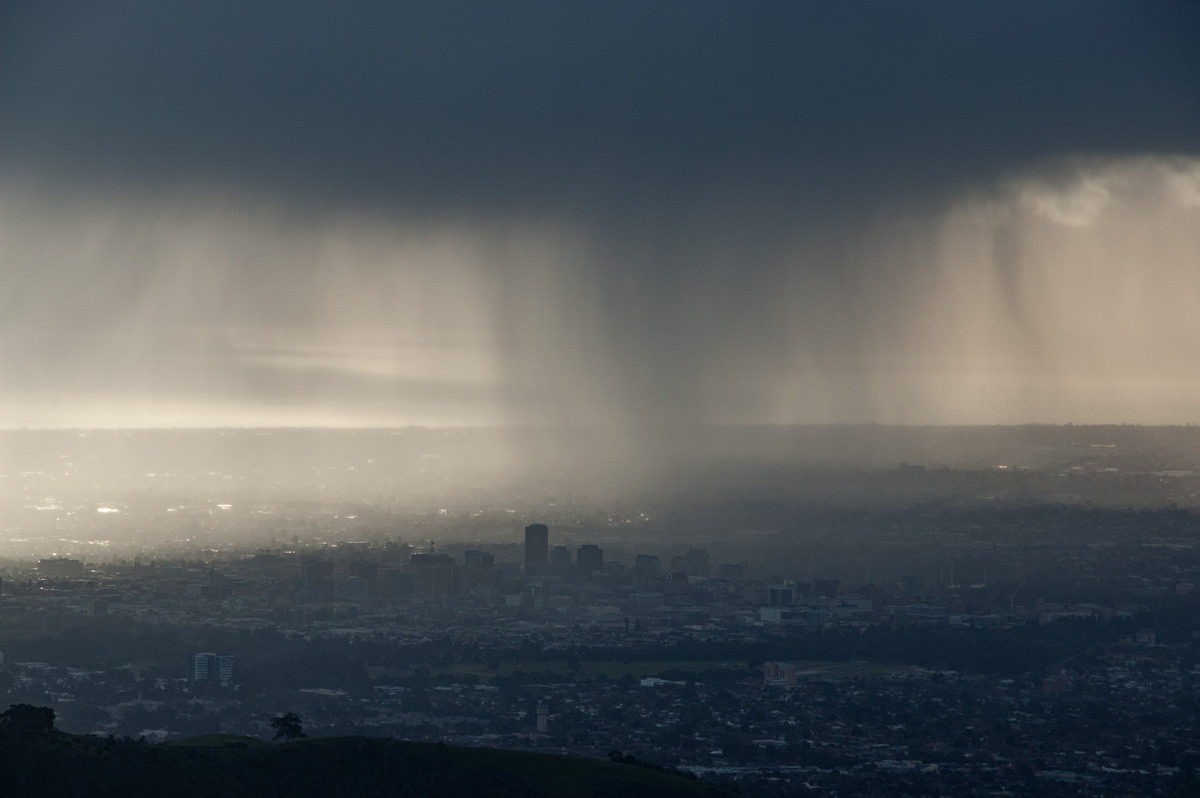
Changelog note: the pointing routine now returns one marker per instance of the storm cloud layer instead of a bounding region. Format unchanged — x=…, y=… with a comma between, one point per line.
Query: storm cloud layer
x=612, y=213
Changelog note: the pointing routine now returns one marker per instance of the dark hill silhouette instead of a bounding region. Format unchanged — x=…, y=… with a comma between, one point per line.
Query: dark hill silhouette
x=58, y=764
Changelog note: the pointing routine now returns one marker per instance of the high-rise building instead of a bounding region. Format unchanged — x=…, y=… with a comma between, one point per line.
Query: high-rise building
x=779, y=673
x=365, y=570
x=676, y=583
x=350, y=588
x=435, y=576
x=201, y=667
x=780, y=595
x=474, y=558
x=210, y=667
x=694, y=563
x=645, y=571
x=825, y=587
x=537, y=547
x=646, y=565
x=560, y=561
x=479, y=576
x=318, y=577
x=61, y=567
x=732, y=570
x=589, y=559
x=314, y=569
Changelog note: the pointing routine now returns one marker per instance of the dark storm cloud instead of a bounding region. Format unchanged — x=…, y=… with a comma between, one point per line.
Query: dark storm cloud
x=612, y=212
x=482, y=103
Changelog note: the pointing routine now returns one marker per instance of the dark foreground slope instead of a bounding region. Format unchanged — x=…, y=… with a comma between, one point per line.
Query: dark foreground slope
x=67, y=765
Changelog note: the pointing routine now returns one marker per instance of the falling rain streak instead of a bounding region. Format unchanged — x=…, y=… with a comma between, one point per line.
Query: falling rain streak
x=1065, y=294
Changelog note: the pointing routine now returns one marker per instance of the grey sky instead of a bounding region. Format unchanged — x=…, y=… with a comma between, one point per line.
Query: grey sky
x=476, y=212
x=479, y=102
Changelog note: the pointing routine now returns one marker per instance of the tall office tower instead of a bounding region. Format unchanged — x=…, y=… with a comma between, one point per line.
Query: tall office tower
x=435, y=576
x=694, y=563
x=368, y=571
x=646, y=565
x=732, y=570
x=318, y=576
x=560, y=561
x=825, y=587
x=351, y=588
x=474, y=558
x=225, y=668
x=314, y=569
x=210, y=667
x=202, y=667
x=61, y=567
x=645, y=571
x=589, y=559
x=537, y=548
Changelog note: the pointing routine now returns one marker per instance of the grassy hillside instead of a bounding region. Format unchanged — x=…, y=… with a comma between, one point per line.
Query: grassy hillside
x=229, y=766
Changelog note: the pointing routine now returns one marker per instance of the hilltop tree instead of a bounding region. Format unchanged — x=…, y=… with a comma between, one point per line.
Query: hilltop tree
x=27, y=721
x=288, y=726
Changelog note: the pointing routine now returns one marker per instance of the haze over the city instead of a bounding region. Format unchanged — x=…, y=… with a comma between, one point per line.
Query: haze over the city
x=465, y=213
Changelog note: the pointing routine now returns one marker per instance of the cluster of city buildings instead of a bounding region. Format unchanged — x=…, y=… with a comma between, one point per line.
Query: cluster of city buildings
x=799, y=723
x=384, y=588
